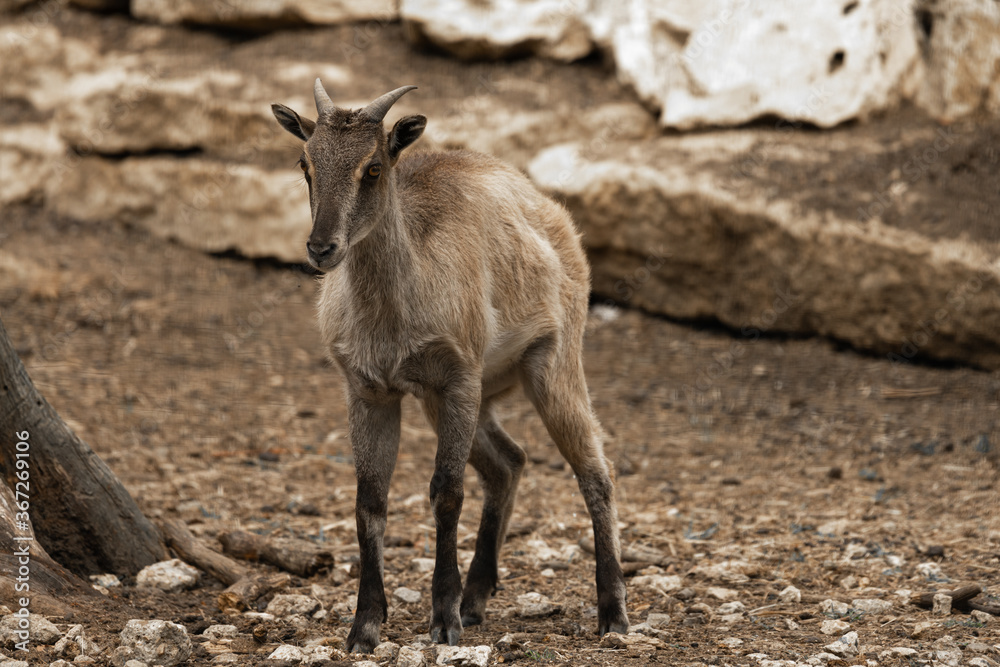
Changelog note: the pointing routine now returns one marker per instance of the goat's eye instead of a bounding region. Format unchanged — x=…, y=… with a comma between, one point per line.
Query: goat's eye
x=375, y=170
x=302, y=165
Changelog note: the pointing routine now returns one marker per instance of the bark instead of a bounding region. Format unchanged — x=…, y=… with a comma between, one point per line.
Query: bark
x=83, y=516
x=47, y=583
x=299, y=557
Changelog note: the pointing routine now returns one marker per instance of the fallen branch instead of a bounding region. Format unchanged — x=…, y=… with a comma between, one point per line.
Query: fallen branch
x=190, y=550
x=639, y=554
x=299, y=557
x=961, y=600
x=241, y=595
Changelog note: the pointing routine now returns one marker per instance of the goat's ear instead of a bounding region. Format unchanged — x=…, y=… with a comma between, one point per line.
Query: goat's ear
x=405, y=132
x=291, y=121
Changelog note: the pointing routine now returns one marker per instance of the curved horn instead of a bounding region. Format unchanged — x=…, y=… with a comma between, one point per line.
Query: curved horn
x=377, y=110
x=323, y=102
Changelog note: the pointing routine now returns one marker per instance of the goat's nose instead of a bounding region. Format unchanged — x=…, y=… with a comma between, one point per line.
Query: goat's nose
x=320, y=251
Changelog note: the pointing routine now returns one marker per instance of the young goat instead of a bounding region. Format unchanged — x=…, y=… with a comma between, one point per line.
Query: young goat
x=456, y=280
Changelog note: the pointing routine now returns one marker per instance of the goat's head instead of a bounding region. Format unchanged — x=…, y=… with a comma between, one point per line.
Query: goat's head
x=347, y=160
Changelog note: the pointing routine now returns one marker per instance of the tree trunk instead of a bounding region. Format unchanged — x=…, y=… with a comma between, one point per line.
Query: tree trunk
x=82, y=515
x=26, y=571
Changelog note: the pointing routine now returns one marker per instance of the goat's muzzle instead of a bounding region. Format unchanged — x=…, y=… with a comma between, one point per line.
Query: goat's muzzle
x=322, y=256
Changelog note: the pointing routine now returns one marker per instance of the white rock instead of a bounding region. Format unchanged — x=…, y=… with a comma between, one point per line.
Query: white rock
x=930, y=570
x=962, y=55
x=226, y=659
x=662, y=583
x=28, y=155
x=263, y=14
x=731, y=642
x=169, y=575
x=477, y=30
x=135, y=663
x=220, y=631
x=259, y=615
x=823, y=658
x=834, y=627
x=160, y=642
x=730, y=571
x=409, y=657
x=833, y=607
x=40, y=630
x=872, y=607
x=386, y=651
x=535, y=605
x=406, y=595
x=982, y=617
x=904, y=651
x=722, y=593
x=14, y=663
x=735, y=607
x=949, y=656
x=942, y=604
x=291, y=604
x=658, y=621
x=366, y=663
x=287, y=652
x=548, y=573
x=846, y=646
x=790, y=594
x=717, y=62
x=922, y=627
x=981, y=662
x=422, y=564
x=240, y=207
x=464, y=656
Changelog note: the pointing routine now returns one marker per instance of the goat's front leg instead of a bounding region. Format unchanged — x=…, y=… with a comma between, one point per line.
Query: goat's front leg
x=374, y=428
x=457, y=413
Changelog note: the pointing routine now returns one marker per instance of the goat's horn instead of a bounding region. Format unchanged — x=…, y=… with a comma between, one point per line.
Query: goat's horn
x=323, y=102
x=377, y=110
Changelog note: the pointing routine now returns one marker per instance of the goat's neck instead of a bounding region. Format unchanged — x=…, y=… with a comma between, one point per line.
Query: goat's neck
x=381, y=267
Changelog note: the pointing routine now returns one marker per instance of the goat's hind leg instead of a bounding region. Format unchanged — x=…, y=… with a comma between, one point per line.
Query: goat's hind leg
x=555, y=384
x=498, y=460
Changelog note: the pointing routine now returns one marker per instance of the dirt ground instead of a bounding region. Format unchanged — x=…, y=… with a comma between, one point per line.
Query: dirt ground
x=749, y=464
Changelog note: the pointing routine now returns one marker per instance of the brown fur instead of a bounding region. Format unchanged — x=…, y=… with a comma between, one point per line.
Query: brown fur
x=453, y=279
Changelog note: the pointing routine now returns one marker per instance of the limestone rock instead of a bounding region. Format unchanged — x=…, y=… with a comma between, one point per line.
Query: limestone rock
x=962, y=57
x=790, y=594
x=498, y=28
x=872, y=607
x=289, y=604
x=169, y=575
x=799, y=264
x=153, y=642
x=263, y=14
x=41, y=630
x=834, y=627
x=406, y=595
x=204, y=204
x=535, y=605
x=464, y=656
x=410, y=657
x=718, y=62
x=28, y=155
x=287, y=652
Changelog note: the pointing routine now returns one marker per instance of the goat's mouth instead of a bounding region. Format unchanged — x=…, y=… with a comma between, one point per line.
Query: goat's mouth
x=328, y=262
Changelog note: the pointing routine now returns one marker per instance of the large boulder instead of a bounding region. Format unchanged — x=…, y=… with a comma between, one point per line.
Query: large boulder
x=205, y=204
x=727, y=62
x=676, y=226
x=263, y=14
x=28, y=154
x=962, y=57
x=478, y=29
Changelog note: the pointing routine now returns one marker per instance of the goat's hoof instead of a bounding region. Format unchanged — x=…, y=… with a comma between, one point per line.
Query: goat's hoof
x=470, y=618
x=360, y=641
x=612, y=621
x=439, y=635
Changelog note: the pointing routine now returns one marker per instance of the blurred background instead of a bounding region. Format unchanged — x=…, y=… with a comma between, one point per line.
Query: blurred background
x=790, y=208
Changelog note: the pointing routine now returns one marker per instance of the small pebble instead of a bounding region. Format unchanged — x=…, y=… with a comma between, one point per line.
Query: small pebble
x=406, y=595
x=790, y=594
x=942, y=605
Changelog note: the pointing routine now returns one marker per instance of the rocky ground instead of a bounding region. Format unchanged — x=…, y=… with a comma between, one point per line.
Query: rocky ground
x=766, y=476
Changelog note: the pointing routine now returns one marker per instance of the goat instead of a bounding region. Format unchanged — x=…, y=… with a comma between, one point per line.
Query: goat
x=456, y=280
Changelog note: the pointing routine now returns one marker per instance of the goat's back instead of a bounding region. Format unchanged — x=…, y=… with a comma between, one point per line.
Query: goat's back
x=481, y=225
